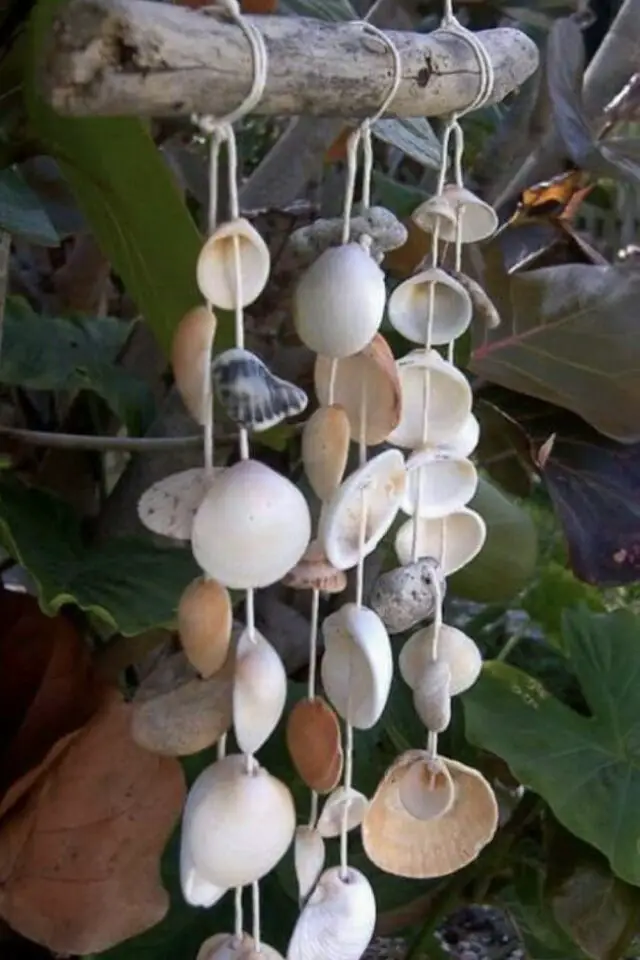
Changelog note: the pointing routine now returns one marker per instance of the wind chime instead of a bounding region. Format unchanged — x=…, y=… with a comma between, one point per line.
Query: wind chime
x=250, y=527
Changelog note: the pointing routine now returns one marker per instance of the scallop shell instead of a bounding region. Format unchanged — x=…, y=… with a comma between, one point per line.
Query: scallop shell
x=339, y=302
x=372, y=370
x=449, y=400
x=169, y=506
x=454, y=648
x=190, y=359
x=225, y=946
x=250, y=394
x=409, y=305
x=252, y=527
x=259, y=691
x=314, y=572
x=216, y=266
x=357, y=665
x=453, y=540
x=344, y=799
x=376, y=488
x=308, y=858
x=338, y=920
x=432, y=696
x=205, y=620
x=444, y=483
x=325, y=448
x=237, y=825
x=314, y=743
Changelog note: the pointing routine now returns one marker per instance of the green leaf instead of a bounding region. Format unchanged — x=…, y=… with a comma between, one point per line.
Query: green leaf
x=553, y=591
x=21, y=213
x=503, y=450
x=587, y=768
x=414, y=137
x=525, y=903
x=128, y=582
x=400, y=198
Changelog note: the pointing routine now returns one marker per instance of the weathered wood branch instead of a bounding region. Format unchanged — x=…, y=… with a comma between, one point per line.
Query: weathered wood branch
x=139, y=57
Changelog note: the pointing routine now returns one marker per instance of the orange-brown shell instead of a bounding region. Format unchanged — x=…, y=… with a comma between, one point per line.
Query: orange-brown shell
x=205, y=618
x=314, y=744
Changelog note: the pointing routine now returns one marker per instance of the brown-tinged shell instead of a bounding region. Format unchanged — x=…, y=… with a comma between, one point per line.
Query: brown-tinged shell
x=314, y=744
x=325, y=448
x=314, y=572
x=205, y=619
x=190, y=356
x=375, y=367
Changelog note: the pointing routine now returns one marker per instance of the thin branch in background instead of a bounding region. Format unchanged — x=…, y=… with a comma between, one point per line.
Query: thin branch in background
x=5, y=248
x=79, y=441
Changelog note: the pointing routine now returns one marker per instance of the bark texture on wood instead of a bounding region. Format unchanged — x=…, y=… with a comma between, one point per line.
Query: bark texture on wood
x=146, y=58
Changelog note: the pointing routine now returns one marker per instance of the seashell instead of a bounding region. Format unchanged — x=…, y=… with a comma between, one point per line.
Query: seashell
x=339, y=302
x=409, y=303
x=205, y=620
x=225, y=946
x=425, y=786
x=454, y=648
x=464, y=441
x=449, y=400
x=265, y=952
x=252, y=527
x=237, y=825
x=250, y=394
x=483, y=306
x=216, y=266
x=453, y=541
x=198, y=892
x=444, y=483
x=373, y=372
x=432, y=696
x=259, y=691
x=419, y=848
x=404, y=596
x=333, y=811
x=338, y=920
x=477, y=219
x=169, y=505
x=190, y=359
x=314, y=744
x=436, y=210
x=308, y=858
x=314, y=572
x=357, y=664
x=325, y=448
x=306, y=243
x=176, y=713
x=377, y=488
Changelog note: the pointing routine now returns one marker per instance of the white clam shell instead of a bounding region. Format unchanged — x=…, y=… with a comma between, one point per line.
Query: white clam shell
x=339, y=302
x=454, y=648
x=338, y=921
x=308, y=858
x=357, y=665
x=236, y=825
x=169, y=505
x=259, y=691
x=409, y=306
x=216, y=266
x=445, y=483
x=478, y=220
x=332, y=815
x=225, y=946
x=252, y=527
x=450, y=400
x=432, y=696
x=196, y=889
x=453, y=540
x=465, y=440
x=377, y=488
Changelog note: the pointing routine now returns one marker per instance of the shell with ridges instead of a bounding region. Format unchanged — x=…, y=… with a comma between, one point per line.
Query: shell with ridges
x=338, y=920
x=332, y=814
x=325, y=448
x=216, y=266
x=314, y=743
x=250, y=394
x=259, y=691
x=409, y=307
x=205, y=620
x=453, y=540
x=454, y=648
x=308, y=858
x=190, y=357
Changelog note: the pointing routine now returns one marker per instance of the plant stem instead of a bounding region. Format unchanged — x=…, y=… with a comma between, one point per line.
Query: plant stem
x=510, y=645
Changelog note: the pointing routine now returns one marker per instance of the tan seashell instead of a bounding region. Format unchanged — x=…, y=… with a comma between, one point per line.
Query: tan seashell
x=314, y=744
x=483, y=306
x=225, y=946
x=454, y=648
x=314, y=572
x=453, y=540
x=446, y=483
x=434, y=211
x=373, y=370
x=308, y=857
x=259, y=691
x=478, y=220
x=331, y=817
x=205, y=620
x=325, y=448
x=338, y=920
x=190, y=357
x=432, y=696
x=169, y=505
x=216, y=266
x=421, y=849
x=264, y=953
x=409, y=305
x=177, y=713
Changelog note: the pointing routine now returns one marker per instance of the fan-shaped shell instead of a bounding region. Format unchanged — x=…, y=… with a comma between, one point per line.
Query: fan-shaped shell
x=259, y=691
x=216, y=266
x=225, y=946
x=251, y=528
x=325, y=448
x=205, y=620
x=376, y=489
x=339, y=302
x=190, y=358
x=453, y=541
x=371, y=371
x=410, y=302
x=449, y=400
x=250, y=394
x=237, y=825
x=454, y=648
x=432, y=696
x=341, y=801
x=169, y=505
x=437, y=484
x=357, y=664
x=315, y=744
x=314, y=572
x=338, y=920
x=308, y=859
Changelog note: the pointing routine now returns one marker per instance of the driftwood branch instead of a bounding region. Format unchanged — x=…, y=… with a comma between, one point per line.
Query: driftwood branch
x=138, y=57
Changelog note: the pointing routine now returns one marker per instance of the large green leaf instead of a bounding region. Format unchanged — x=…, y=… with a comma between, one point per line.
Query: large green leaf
x=543, y=937
x=587, y=768
x=21, y=213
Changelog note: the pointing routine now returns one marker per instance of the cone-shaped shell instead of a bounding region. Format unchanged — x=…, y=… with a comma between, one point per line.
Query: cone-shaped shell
x=251, y=395
x=477, y=219
x=337, y=803
x=454, y=648
x=339, y=302
x=449, y=405
x=251, y=528
x=225, y=946
x=375, y=489
x=259, y=691
x=315, y=744
x=338, y=921
x=237, y=825
x=409, y=307
x=169, y=505
x=205, y=619
x=325, y=448
x=372, y=370
x=453, y=541
x=432, y=696
x=216, y=266
x=437, y=484
x=190, y=358
x=308, y=859
x=405, y=846
x=314, y=572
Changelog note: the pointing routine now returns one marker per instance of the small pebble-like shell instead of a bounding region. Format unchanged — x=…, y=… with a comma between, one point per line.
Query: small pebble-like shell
x=483, y=307
x=314, y=572
x=325, y=448
x=438, y=484
x=315, y=744
x=308, y=858
x=432, y=696
x=169, y=505
x=340, y=801
x=404, y=596
x=250, y=394
x=339, y=302
x=454, y=648
x=216, y=267
x=409, y=306
x=259, y=691
x=307, y=243
x=338, y=920
x=453, y=541
x=190, y=357
x=225, y=946
x=205, y=620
